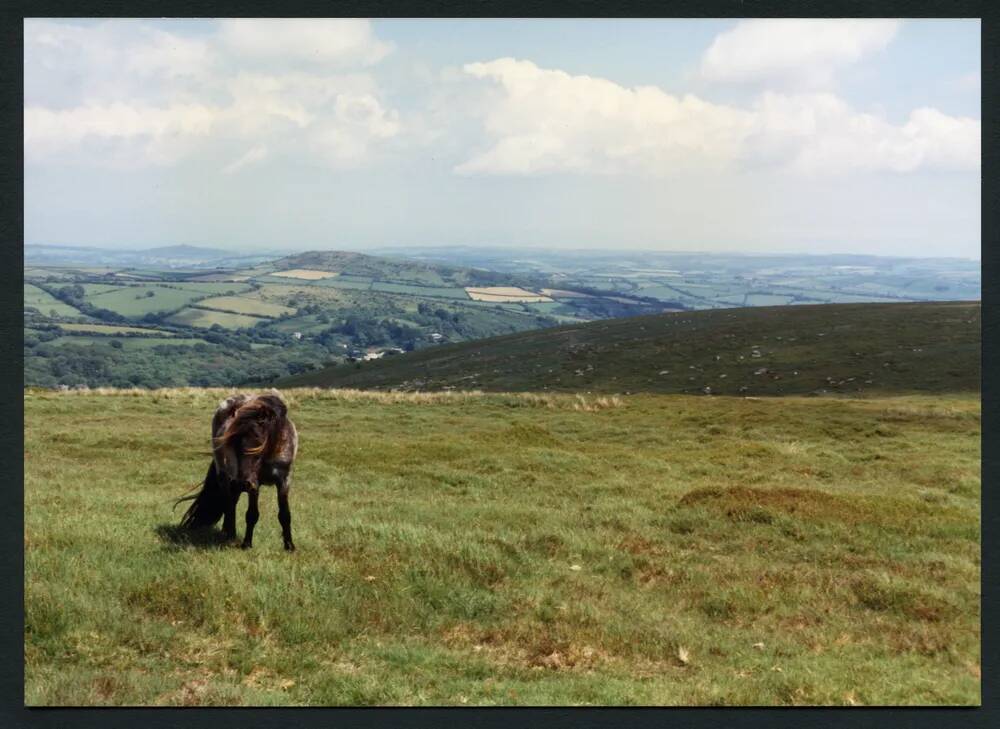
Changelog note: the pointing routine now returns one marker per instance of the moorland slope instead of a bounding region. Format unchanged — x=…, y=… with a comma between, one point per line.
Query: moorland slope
x=838, y=348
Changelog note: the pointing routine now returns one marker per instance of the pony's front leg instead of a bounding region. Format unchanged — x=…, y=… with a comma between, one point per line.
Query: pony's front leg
x=284, y=513
x=231, y=496
x=253, y=513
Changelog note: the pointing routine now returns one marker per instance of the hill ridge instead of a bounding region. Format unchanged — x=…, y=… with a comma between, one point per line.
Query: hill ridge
x=809, y=349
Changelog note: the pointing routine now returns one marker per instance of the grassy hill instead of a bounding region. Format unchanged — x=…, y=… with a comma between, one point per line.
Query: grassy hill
x=401, y=270
x=837, y=348
x=463, y=549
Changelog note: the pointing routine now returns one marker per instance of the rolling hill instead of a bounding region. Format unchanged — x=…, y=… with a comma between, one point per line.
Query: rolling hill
x=840, y=348
x=294, y=313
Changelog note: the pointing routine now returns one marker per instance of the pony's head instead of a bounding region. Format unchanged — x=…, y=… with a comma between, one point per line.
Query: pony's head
x=251, y=435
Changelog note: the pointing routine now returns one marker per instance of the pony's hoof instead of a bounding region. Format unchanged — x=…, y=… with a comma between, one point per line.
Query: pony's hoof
x=289, y=547
x=246, y=545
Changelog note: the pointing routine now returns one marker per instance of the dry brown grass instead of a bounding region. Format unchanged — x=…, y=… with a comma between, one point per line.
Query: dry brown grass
x=305, y=274
x=299, y=395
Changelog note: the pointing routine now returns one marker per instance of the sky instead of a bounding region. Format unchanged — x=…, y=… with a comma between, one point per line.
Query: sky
x=777, y=135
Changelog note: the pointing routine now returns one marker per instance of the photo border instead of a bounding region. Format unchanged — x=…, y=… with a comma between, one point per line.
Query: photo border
x=12, y=710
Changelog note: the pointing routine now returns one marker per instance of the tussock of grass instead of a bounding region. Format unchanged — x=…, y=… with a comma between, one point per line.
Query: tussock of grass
x=469, y=548
x=293, y=396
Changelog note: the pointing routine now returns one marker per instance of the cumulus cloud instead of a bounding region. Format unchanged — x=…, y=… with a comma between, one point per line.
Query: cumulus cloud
x=356, y=123
x=801, y=53
x=821, y=134
x=541, y=121
x=148, y=134
x=153, y=96
x=115, y=60
x=338, y=41
x=549, y=121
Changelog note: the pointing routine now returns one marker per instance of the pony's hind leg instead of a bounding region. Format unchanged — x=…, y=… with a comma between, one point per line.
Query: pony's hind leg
x=253, y=513
x=231, y=496
x=284, y=513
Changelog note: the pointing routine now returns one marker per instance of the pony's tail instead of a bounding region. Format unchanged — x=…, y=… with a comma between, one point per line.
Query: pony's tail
x=207, y=506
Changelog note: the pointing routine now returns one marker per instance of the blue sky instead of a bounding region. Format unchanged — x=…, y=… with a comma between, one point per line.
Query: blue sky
x=777, y=136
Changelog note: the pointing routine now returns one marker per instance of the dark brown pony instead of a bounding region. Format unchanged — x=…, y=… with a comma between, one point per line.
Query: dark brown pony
x=254, y=442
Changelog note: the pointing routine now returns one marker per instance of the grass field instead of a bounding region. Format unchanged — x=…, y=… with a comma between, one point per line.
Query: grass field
x=241, y=305
x=113, y=329
x=304, y=274
x=135, y=301
x=512, y=549
x=46, y=302
x=130, y=343
x=209, y=287
x=438, y=292
x=506, y=294
x=205, y=318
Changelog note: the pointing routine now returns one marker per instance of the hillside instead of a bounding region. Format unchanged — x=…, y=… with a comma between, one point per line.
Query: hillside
x=400, y=270
x=837, y=348
x=257, y=321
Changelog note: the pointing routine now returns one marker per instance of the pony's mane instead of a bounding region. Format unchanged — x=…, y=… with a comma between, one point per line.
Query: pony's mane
x=268, y=410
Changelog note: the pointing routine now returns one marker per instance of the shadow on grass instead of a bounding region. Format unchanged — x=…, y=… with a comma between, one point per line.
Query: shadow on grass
x=174, y=536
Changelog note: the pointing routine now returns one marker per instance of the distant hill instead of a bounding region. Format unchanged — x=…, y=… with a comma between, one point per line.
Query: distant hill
x=192, y=252
x=836, y=348
x=402, y=270
x=181, y=256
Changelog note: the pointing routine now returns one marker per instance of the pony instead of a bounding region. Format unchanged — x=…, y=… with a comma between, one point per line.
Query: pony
x=254, y=442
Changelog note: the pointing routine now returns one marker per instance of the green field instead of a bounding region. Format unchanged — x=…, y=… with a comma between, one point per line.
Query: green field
x=217, y=288
x=766, y=300
x=93, y=289
x=468, y=549
x=134, y=301
x=47, y=303
x=204, y=319
x=242, y=305
x=112, y=329
x=340, y=282
x=431, y=291
x=130, y=342
x=302, y=324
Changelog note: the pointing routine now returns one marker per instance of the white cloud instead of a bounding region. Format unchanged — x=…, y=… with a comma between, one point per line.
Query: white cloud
x=106, y=62
x=821, y=134
x=358, y=121
x=541, y=121
x=799, y=53
x=121, y=89
x=50, y=132
x=339, y=42
x=549, y=121
x=251, y=157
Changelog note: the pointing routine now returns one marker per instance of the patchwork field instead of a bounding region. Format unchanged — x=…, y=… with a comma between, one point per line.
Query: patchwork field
x=508, y=294
x=241, y=305
x=130, y=343
x=470, y=549
x=112, y=329
x=47, y=303
x=137, y=301
x=431, y=291
x=304, y=274
x=206, y=318
x=563, y=294
x=202, y=287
